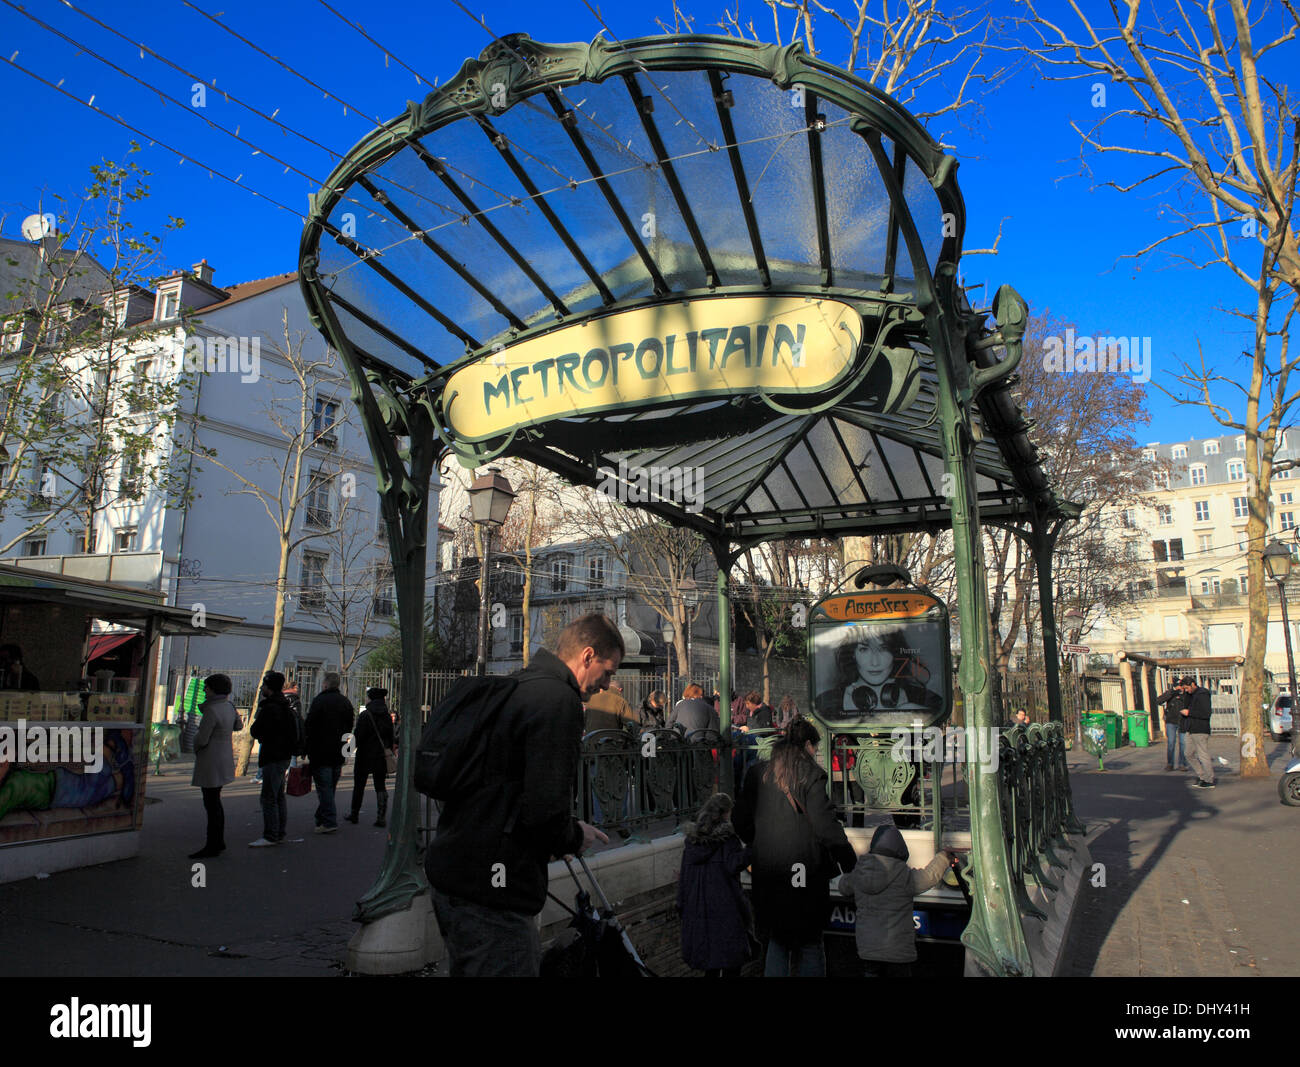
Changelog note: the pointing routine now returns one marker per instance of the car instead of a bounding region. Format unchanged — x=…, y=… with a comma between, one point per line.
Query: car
x=1279, y=717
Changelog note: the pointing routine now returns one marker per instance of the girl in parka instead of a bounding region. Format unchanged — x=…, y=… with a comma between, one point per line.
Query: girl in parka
x=884, y=886
x=715, y=915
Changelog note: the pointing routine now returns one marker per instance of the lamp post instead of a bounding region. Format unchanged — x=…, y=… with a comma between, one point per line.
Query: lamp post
x=490, y=498
x=669, y=632
x=1277, y=562
x=1077, y=617
x=690, y=593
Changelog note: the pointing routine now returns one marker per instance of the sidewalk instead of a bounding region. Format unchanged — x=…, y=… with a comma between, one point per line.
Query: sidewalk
x=1197, y=882
x=269, y=911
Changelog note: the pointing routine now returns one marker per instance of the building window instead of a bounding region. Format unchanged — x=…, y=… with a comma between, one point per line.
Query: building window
x=130, y=485
x=84, y=541
x=1164, y=515
x=1241, y=443
x=34, y=546
x=1281, y=440
x=385, y=597
x=317, y=500
x=1211, y=448
x=1240, y=507
x=314, y=564
x=1149, y=455
x=1283, y=473
x=44, y=485
x=516, y=633
x=1286, y=520
x=561, y=571
x=1236, y=470
x=1130, y=519
x=1176, y=549
x=124, y=539
x=1284, y=499
x=596, y=572
x=1202, y=511
x=1211, y=585
x=1205, y=542
x=169, y=304
x=1160, y=551
x=1179, y=452
x=1198, y=474
x=324, y=420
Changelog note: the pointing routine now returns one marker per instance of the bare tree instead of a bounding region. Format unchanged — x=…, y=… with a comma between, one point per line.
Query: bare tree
x=91, y=396
x=1212, y=124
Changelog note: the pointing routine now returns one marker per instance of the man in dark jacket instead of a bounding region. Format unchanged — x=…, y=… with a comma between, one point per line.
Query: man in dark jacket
x=693, y=712
x=328, y=720
x=276, y=733
x=1196, y=713
x=1174, y=701
x=488, y=862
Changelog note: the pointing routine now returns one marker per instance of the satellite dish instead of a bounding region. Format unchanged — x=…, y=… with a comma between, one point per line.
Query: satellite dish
x=36, y=227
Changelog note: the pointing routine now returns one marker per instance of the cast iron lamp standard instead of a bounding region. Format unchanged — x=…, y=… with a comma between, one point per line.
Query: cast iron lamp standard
x=690, y=593
x=1277, y=561
x=669, y=634
x=490, y=498
x=1076, y=617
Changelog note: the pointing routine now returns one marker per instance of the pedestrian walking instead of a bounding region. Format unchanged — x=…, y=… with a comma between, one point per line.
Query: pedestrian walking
x=373, y=735
x=716, y=921
x=214, y=759
x=785, y=814
x=329, y=719
x=488, y=862
x=276, y=733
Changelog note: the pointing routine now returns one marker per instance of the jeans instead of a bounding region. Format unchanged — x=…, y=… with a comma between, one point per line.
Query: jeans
x=216, y=819
x=1174, y=736
x=486, y=942
x=325, y=779
x=806, y=960
x=275, y=809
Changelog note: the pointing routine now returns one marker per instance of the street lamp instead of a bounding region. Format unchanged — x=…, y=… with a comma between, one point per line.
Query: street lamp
x=1277, y=561
x=690, y=593
x=490, y=498
x=669, y=632
x=1077, y=617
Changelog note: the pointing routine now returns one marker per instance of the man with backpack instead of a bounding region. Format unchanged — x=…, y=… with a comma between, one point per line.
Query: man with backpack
x=513, y=812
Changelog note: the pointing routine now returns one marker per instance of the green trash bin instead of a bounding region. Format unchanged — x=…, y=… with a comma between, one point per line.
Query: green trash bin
x=1137, y=729
x=1114, y=723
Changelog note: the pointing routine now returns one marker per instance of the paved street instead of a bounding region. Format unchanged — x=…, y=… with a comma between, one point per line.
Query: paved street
x=1197, y=882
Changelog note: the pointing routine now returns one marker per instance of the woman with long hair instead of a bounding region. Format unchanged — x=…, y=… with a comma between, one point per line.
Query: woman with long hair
x=785, y=814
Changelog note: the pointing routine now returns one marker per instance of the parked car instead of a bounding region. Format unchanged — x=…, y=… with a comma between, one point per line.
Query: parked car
x=1279, y=717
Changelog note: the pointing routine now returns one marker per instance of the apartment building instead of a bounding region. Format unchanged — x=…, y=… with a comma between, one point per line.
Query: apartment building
x=1190, y=537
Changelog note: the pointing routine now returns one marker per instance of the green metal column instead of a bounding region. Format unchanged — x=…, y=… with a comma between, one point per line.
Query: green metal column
x=725, y=783
x=1044, y=543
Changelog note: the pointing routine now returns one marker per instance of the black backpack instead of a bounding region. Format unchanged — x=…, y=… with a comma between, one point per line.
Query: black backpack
x=451, y=760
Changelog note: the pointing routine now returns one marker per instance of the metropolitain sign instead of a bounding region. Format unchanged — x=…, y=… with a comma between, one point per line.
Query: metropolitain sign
x=713, y=346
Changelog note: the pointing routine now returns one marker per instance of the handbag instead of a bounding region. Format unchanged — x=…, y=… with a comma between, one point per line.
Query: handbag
x=390, y=755
x=299, y=781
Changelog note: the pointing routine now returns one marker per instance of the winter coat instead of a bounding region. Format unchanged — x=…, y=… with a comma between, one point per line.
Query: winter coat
x=214, y=753
x=608, y=710
x=328, y=720
x=1174, y=702
x=883, y=888
x=528, y=819
x=715, y=915
x=373, y=734
x=792, y=903
x=694, y=714
x=651, y=717
x=1199, y=710
x=274, y=730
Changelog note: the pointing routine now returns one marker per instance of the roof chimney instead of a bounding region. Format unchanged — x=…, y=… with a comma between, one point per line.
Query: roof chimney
x=203, y=272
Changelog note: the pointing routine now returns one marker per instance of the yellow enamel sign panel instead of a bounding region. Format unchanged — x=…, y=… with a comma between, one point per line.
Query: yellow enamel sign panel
x=858, y=607
x=696, y=348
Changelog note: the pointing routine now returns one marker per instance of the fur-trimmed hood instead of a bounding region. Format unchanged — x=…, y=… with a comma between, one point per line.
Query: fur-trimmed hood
x=720, y=833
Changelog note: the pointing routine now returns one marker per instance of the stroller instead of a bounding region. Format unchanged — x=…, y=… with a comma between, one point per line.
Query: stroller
x=597, y=946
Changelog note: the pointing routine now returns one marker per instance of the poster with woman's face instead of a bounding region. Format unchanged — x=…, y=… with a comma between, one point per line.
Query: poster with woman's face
x=880, y=659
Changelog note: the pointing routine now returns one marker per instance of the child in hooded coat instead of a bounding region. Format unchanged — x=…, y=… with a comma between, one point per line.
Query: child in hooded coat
x=884, y=885
x=716, y=921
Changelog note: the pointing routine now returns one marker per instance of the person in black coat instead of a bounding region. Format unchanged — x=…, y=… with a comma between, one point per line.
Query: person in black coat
x=715, y=915
x=373, y=735
x=785, y=813
x=1174, y=700
x=693, y=712
x=276, y=733
x=328, y=720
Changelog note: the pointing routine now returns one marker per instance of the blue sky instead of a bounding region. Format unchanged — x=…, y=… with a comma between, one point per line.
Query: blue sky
x=1061, y=245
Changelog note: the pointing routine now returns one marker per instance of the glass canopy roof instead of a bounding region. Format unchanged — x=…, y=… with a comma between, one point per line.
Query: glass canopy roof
x=551, y=186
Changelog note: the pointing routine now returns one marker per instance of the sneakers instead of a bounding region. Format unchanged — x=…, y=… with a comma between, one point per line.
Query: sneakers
x=352, y=816
x=1169, y=766
x=326, y=830
x=263, y=842
x=1204, y=785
